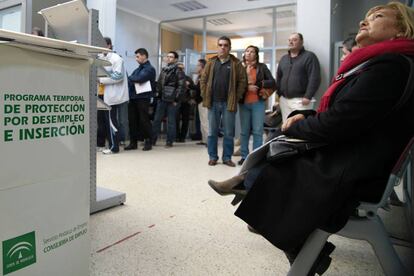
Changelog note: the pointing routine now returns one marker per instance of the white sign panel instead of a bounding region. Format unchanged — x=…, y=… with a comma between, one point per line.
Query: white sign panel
x=44, y=171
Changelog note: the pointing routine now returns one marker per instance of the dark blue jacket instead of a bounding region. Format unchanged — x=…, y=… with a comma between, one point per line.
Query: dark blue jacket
x=145, y=72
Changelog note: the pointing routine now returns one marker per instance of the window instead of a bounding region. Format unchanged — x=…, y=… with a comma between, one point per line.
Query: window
x=267, y=28
x=11, y=18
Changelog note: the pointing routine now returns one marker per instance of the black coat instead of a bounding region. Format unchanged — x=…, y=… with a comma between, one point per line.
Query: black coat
x=172, y=75
x=264, y=79
x=365, y=137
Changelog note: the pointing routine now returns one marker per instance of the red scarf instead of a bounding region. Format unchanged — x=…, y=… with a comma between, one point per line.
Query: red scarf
x=358, y=56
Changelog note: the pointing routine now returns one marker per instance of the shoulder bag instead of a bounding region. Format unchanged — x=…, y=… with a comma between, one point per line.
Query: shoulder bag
x=169, y=93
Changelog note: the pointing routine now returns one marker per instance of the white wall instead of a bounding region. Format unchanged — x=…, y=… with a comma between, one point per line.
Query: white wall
x=314, y=22
x=133, y=32
x=107, y=16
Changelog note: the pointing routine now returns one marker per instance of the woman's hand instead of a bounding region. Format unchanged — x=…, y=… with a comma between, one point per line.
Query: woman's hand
x=253, y=88
x=290, y=121
x=305, y=101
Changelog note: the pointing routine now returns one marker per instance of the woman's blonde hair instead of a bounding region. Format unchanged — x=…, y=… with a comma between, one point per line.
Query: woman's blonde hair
x=405, y=17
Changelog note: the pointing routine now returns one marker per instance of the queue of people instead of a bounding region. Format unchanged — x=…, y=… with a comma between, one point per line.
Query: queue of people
x=174, y=94
x=223, y=85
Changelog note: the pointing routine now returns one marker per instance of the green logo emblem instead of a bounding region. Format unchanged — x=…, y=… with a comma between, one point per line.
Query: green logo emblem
x=19, y=252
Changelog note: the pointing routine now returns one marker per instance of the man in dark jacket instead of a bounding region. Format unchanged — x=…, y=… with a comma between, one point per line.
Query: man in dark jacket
x=141, y=83
x=222, y=84
x=183, y=112
x=170, y=87
x=298, y=77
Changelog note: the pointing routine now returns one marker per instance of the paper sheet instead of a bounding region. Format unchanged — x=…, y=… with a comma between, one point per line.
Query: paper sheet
x=143, y=87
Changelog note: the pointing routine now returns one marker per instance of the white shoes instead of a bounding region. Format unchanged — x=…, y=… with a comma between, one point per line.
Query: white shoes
x=107, y=151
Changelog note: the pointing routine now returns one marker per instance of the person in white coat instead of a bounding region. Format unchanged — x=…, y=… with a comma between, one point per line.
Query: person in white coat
x=115, y=94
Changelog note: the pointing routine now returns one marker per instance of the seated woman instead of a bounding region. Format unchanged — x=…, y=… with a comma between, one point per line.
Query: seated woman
x=365, y=121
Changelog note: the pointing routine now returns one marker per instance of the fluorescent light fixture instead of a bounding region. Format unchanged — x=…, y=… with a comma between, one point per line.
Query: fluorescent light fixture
x=219, y=21
x=189, y=6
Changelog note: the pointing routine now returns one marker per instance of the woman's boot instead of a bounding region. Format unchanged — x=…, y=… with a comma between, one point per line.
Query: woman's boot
x=231, y=186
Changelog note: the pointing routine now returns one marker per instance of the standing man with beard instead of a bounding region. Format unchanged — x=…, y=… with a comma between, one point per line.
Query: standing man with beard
x=138, y=107
x=170, y=87
x=223, y=84
x=298, y=77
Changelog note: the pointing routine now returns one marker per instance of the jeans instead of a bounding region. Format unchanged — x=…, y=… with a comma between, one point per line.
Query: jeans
x=163, y=109
x=217, y=112
x=253, y=174
x=251, y=121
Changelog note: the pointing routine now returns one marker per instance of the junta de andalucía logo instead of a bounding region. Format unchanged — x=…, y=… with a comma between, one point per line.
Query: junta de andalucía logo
x=19, y=252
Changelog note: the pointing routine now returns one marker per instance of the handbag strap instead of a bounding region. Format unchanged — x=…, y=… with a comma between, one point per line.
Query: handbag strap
x=353, y=71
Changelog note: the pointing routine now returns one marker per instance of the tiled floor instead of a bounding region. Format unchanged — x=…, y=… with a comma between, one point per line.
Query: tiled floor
x=173, y=223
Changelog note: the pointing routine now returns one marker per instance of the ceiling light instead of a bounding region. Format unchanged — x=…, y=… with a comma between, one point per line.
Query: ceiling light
x=189, y=6
x=219, y=21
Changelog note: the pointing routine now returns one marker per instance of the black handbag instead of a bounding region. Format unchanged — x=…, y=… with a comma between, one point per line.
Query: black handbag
x=282, y=148
x=169, y=93
x=273, y=119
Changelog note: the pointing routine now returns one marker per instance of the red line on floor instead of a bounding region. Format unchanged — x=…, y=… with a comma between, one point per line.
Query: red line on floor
x=115, y=243
x=124, y=239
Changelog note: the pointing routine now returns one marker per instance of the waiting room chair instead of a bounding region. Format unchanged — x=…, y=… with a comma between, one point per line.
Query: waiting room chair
x=368, y=225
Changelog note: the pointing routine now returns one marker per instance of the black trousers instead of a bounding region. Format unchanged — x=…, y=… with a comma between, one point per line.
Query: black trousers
x=102, y=131
x=139, y=120
x=182, y=120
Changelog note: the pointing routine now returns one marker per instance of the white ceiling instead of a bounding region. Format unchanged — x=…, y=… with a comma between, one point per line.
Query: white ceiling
x=161, y=10
x=242, y=23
